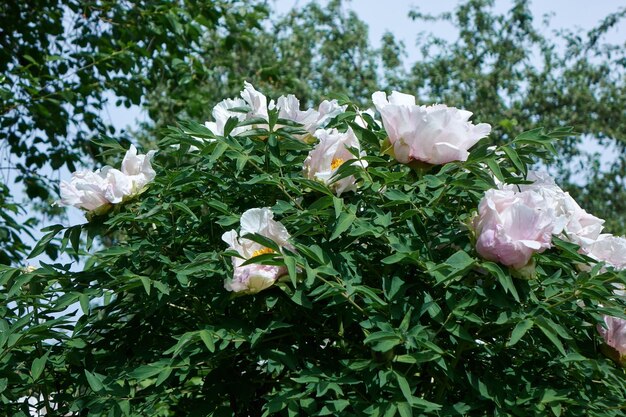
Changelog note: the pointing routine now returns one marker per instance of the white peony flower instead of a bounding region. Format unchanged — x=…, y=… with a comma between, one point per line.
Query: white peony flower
x=511, y=226
x=96, y=191
x=311, y=119
x=289, y=109
x=255, y=100
x=328, y=155
x=138, y=168
x=328, y=110
x=250, y=97
x=433, y=134
x=221, y=113
x=85, y=190
x=250, y=279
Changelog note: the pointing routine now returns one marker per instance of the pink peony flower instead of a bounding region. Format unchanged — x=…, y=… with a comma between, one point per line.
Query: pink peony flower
x=614, y=335
x=512, y=226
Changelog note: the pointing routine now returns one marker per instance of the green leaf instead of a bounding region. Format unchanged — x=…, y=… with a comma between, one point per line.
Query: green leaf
x=95, y=381
x=207, y=338
x=495, y=168
x=514, y=157
x=45, y=240
x=343, y=223
x=38, y=366
x=519, y=331
x=182, y=206
x=231, y=123
x=145, y=372
x=263, y=241
x=405, y=409
x=84, y=303
x=290, y=263
x=505, y=279
x=550, y=334
x=460, y=260
x=403, y=384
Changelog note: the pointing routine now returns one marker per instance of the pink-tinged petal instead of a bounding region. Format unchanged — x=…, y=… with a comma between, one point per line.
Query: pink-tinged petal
x=434, y=134
x=256, y=100
x=614, y=334
x=250, y=279
x=511, y=227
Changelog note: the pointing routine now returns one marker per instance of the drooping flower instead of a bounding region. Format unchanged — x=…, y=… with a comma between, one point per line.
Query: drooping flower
x=511, y=226
x=96, y=191
x=329, y=154
x=252, y=278
x=614, y=335
x=433, y=134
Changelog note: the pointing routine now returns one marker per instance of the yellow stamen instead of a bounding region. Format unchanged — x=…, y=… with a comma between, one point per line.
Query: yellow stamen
x=262, y=252
x=336, y=163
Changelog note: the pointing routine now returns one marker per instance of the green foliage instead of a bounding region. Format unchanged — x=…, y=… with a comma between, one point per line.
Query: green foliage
x=386, y=310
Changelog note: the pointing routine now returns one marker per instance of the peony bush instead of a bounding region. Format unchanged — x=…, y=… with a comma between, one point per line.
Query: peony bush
x=280, y=261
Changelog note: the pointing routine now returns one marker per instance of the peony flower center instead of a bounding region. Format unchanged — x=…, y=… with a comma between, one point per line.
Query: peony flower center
x=262, y=252
x=336, y=163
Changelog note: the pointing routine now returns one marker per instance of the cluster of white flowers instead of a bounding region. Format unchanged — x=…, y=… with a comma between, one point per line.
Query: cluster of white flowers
x=516, y=221
x=97, y=191
x=258, y=107
x=431, y=134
